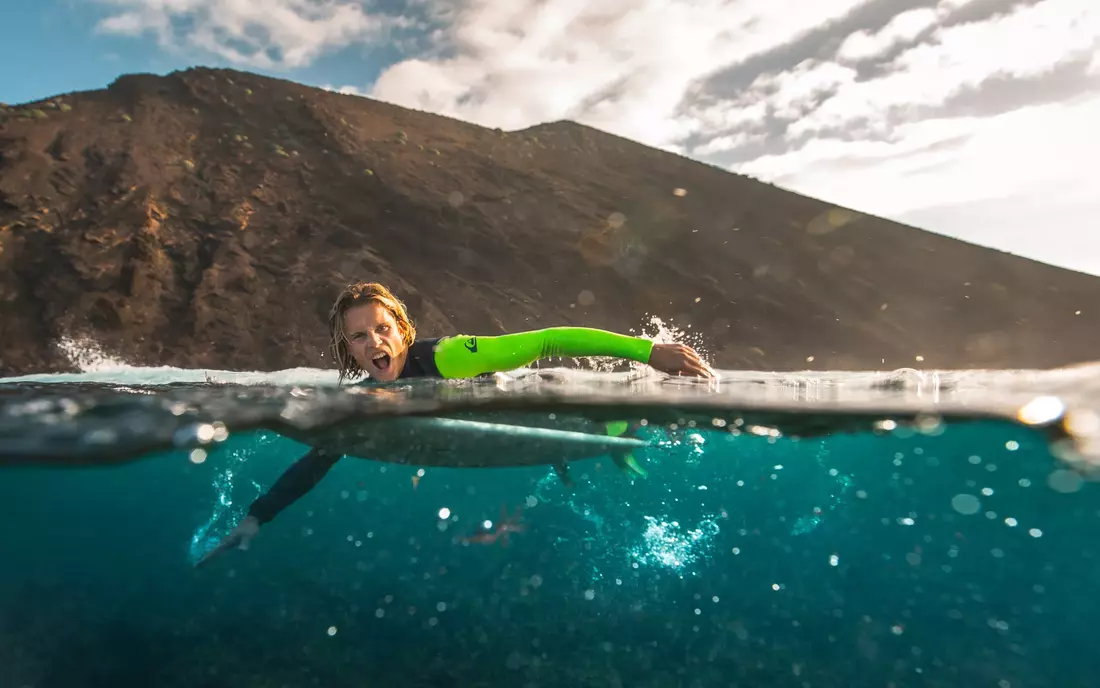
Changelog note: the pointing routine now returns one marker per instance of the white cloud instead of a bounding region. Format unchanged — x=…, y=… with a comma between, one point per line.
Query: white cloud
x=1030, y=42
x=731, y=116
x=902, y=29
x=1022, y=181
x=795, y=91
x=946, y=161
x=621, y=65
x=816, y=98
x=783, y=95
x=251, y=33
x=725, y=143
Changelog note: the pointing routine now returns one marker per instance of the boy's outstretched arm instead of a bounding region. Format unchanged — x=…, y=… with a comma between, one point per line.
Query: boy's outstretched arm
x=468, y=356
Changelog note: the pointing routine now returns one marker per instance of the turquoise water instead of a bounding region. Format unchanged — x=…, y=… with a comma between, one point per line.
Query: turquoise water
x=903, y=529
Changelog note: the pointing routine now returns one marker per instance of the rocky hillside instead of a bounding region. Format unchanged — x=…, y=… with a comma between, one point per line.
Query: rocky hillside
x=207, y=219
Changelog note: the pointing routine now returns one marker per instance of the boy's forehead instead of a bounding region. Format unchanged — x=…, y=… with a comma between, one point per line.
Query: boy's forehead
x=368, y=316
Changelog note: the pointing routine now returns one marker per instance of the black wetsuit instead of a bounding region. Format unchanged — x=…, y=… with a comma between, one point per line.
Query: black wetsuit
x=311, y=468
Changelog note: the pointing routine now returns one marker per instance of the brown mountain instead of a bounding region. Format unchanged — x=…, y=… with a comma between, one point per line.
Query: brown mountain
x=207, y=219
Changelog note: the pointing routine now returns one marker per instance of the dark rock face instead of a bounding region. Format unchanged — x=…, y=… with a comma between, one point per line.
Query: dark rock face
x=208, y=218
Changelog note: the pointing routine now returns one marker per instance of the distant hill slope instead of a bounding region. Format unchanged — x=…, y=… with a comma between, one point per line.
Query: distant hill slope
x=208, y=218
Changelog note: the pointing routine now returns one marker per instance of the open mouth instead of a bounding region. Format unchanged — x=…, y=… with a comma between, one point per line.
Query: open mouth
x=381, y=362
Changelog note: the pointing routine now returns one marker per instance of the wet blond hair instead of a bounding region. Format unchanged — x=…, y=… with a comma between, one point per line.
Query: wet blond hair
x=355, y=295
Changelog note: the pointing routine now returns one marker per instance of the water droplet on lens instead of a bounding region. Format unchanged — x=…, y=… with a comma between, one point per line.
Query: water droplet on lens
x=1065, y=481
x=966, y=504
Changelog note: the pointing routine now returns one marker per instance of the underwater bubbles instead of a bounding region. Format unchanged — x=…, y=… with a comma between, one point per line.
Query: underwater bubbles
x=966, y=504
x=666, y=545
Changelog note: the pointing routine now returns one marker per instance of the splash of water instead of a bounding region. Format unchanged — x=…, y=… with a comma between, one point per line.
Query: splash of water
x=89, y=357
x=671, y=334
x=224, y=515
x=656, y=331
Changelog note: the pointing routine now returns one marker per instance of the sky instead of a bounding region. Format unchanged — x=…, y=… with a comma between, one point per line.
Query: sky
x=976, y=119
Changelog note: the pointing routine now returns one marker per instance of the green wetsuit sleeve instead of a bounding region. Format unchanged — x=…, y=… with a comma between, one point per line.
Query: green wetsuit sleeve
x=469, y=356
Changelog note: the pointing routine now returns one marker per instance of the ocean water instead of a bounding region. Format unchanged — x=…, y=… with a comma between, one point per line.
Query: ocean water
x=905, y=528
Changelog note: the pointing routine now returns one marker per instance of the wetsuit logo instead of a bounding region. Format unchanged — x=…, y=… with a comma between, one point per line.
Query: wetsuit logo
x=471, y=345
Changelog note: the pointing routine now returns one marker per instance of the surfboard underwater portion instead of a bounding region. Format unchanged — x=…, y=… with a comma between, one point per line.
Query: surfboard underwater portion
x=465, y=442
